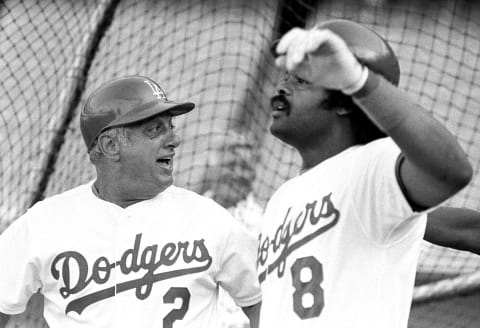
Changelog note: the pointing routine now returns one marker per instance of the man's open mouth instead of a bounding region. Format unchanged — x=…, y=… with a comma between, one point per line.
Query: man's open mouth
x=166, y=162
x=280, y=103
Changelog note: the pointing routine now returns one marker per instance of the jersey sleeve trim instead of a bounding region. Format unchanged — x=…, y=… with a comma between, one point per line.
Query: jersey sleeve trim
x=415, y=207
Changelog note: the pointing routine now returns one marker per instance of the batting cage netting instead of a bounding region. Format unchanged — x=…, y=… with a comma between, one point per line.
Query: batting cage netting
x=217, y=54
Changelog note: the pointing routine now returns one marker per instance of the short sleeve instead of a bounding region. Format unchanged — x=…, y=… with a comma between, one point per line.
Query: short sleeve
x=379, y=202
x=238, y=272
x=19, y=278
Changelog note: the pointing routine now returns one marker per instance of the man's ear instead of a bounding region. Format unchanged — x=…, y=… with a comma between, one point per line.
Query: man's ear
x=110, y=147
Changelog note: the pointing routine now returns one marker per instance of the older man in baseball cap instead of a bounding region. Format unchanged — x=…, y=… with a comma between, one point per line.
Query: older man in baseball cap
x=111, y=123
x=128, y=249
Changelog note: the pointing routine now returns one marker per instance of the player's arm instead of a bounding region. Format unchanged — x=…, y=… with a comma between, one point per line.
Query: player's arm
x=434, y=167
x=457, y=228
x=253, y=314
x=4, y=319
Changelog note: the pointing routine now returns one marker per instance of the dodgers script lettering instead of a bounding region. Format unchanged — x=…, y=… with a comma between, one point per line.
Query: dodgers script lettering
x=322, y=216
x=193, y=257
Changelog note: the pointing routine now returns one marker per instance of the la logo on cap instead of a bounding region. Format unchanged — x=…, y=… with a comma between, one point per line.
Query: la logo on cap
x=156, y=90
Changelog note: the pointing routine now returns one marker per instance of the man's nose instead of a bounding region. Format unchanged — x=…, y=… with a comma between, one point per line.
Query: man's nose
x=173, y=140
x=283, y=89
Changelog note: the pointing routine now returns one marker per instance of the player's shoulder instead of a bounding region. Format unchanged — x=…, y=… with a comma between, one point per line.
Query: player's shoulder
x=335, y=166
x=193, y=200
x=378, y=145
x=378, y=153
x=67, y=195
x=210, y=212
x=180, y=192
x=53, y=209
x=62, y=201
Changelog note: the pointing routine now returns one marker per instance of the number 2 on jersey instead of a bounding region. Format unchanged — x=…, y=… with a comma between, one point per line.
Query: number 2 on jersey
x=305, y=287
x=176, y=314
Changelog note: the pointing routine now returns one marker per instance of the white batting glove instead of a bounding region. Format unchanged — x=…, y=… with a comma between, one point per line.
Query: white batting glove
x=322, y=58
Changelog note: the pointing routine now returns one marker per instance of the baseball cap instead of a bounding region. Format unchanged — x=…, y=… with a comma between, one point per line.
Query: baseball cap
x=123, y=101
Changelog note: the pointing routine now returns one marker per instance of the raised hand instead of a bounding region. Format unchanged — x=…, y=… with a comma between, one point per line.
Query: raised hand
x=322, y=58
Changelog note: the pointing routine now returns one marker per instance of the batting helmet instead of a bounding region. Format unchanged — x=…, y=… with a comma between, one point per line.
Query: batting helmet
x=124, y=101
x=368, y=46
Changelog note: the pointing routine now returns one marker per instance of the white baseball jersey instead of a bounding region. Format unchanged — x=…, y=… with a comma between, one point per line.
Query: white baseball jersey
x=339, y=245
x=157, y=263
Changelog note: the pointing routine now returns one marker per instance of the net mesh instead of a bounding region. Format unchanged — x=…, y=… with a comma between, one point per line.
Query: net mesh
x=216, y=54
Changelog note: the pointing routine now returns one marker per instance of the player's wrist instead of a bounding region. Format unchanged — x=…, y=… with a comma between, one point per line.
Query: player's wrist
x=359, y=82
x=369, y=86
x=380, y=101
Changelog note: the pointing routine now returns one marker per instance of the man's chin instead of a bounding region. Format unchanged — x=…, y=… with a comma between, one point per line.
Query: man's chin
x=282, y=133
x=276, y=129
x=163, y=183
